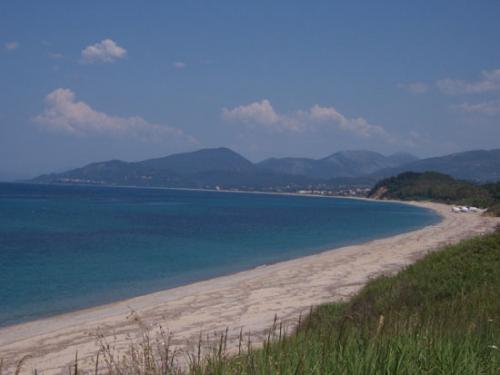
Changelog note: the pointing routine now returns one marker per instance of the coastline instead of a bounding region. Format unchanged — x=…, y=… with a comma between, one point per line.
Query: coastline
x=247, y=299
x=277, y=249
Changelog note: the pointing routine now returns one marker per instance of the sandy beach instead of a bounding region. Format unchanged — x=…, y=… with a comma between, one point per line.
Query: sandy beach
x=247, y=300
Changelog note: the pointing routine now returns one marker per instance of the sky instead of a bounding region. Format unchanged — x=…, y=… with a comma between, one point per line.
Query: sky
x=98, y=80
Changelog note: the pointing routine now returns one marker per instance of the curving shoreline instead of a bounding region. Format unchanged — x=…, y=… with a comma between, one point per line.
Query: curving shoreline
x=248, y=299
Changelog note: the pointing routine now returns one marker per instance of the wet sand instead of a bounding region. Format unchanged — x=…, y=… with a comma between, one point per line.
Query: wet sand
x=247, y=300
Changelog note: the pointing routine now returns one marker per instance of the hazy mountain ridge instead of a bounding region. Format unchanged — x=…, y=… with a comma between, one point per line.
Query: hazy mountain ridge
x=205, y=160
x=296, y=166
x=351, y=163
x=207, y=168
x=222, y=167
x=476, y=165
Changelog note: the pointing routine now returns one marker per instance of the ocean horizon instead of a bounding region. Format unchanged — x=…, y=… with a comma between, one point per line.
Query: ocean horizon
x=69, y=247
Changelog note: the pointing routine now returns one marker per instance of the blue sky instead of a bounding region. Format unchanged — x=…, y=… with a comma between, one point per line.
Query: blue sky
x=99, y=80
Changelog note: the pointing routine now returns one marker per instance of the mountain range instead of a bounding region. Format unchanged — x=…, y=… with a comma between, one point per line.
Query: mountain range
x=477, y=165
x=354, y=163
x=224, y=168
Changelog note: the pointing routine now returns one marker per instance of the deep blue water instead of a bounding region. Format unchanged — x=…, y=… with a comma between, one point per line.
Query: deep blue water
x=68, y=247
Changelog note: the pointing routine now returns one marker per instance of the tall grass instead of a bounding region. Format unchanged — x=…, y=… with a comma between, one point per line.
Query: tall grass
x=438, y=316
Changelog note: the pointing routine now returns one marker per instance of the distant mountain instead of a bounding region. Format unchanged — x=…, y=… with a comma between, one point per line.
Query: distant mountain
x=207, y=168
x=359, y=162
x=478, y=165
x=400, y=158
x=354, y=163
x=224, y=168
x=297, y=167
x=206, y=160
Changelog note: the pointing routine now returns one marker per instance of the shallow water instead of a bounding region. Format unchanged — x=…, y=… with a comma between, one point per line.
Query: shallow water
x=64, y=248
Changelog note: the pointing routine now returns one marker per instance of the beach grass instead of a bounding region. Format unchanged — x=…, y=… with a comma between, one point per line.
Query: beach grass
x=440, y=315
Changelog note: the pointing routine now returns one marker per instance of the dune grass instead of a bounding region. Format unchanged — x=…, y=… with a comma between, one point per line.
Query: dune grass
x=438, y=316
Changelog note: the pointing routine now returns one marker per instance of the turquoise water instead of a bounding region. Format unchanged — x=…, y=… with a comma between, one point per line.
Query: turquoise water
x=64, y=248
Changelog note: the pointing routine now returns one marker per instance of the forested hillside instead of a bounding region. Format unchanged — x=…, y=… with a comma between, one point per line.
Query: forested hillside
x=438, y=187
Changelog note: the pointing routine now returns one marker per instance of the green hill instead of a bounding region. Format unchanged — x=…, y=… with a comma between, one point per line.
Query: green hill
x=438, y=187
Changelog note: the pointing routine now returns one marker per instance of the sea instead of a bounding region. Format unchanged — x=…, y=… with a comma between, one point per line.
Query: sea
x=68, y=247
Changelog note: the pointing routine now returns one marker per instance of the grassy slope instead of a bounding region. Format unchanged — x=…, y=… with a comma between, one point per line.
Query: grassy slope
x=439, y=316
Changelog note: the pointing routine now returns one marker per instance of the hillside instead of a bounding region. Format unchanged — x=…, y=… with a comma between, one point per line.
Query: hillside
x=206, y=160
x=356, y=163
x=403, y=324
x=351, y=163
x=478, y=165
x=437, y=187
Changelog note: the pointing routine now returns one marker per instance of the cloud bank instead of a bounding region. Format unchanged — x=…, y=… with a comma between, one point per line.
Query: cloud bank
x=106, y=51
x=489, y=81
x=64, y=114
x=263, y=114
x=489, y=108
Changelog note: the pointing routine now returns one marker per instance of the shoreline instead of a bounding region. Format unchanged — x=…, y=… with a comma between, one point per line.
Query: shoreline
x=263, y=192
x=246, y=300
x=320, y=250
x=231, y=273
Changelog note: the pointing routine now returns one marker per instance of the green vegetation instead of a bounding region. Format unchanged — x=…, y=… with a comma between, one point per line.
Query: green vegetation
x=438, y=187
x=494, y=191
x=438, y=316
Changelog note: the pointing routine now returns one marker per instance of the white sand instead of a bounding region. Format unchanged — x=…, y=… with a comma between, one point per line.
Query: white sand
x=247, y=300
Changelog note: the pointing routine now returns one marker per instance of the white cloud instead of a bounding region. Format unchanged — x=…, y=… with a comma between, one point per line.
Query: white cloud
x=63, y=113
x=179, y=65
x=357, y=125
x=415, y=87
x=489, y=81
x=258, y=112
x=11, y=46
x=489, y=108
x=106, y=51
x=262, y=113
